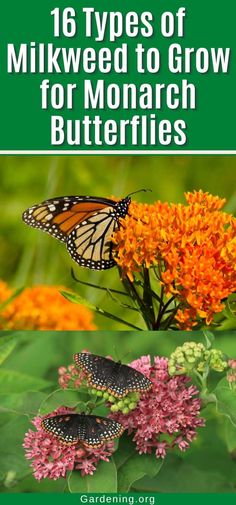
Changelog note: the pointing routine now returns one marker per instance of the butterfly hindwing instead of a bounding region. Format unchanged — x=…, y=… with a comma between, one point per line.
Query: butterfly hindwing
x=106, y=374
x=89, y=244
x=92, y=431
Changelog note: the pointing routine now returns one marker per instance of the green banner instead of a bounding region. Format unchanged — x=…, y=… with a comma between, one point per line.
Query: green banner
x=128, y=498
x=139, y=77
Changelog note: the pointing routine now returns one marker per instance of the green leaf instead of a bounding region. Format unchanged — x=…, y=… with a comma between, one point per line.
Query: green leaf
x=6, y=349
x=135, y=468
x=180, y=477
x=127, y=449
x=104, y=480
x=16, y=382
x=59, y=398
x=11, y=298
x=228, y=310
x=11, y=451
x=21, y=403
x=230, y=436
x=72, y=297
x=209, y=337
x=226, y=400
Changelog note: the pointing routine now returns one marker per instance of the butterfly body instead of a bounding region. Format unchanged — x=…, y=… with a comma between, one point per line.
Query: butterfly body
x=92, y=431
x=107, y=375
x=84, y=223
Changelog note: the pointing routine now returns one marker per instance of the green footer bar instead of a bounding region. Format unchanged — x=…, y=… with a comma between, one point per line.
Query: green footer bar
x=120, y=498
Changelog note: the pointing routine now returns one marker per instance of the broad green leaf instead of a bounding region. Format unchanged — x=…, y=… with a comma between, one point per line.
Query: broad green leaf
x=230, y=435
x=30, y=485
x=37, y=355
x=135, y=468
x=16, y=382
x=104, y=480
x=180, y=477
x=127, y=449
x=226, y=400
x=22, y=403
x=59, y=398
x=11, y=451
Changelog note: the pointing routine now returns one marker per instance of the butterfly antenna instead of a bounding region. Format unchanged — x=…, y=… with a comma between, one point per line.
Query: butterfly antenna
x=118, y=357
x=139, y=191
x=126, y=354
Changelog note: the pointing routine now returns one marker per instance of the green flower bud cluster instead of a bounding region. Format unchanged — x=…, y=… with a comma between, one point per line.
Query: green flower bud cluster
x=186, y=358
x=125, y=405
x=192, y=356
x=217, y=360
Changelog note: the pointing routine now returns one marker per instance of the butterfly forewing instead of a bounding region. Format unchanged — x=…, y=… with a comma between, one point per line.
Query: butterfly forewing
x=59, y=216
x=106, y=374
x=100, y=370
x=92, y=431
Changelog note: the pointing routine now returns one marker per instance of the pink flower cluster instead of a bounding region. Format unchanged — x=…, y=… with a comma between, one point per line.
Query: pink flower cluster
x=169, y=408
x=231, y=376
x=52, y=459
x=70, y=377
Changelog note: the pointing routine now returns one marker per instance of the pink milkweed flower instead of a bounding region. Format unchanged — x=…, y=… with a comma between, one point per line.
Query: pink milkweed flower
x=51, y=459
x=171, y=408
x=70, y=376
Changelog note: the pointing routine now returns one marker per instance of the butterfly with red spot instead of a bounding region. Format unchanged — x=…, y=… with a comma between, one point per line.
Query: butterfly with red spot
x=91, y=431
x=107, y=375
x=84, y=223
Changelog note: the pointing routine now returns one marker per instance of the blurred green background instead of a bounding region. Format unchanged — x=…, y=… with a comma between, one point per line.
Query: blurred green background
x=29, y=374
x=28, y=256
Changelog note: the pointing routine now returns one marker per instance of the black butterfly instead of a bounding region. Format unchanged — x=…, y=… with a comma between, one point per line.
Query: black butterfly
x=106, y=374
x=84, y=223
x=92, y=431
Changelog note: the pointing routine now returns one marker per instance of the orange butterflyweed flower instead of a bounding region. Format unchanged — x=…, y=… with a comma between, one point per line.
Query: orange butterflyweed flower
x=5, y=292
x=44, y=308
x=190, y=249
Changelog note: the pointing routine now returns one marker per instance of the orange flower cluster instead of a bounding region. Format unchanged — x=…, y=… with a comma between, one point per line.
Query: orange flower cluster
x=43, y=308
x=193, y=247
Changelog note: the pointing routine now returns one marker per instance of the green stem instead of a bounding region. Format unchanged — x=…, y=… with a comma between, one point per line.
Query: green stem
x=147, y=296
x=129, y=286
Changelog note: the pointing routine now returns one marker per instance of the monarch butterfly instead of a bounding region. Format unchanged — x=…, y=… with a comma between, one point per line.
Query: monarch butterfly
x=106, y=374
x=84, y=223
x=92, y=431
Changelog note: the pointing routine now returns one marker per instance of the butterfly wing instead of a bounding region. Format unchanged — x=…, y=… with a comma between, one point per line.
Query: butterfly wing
x=99, y=370
x=92, y=431
x=100, y=430
x=67, y=428
x=89, y=244
x=134, y=380
x=59, y=216
x=105, y=374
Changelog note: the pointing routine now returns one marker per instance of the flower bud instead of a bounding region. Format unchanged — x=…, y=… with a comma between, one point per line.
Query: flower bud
x=193, y=356
x=125, y=410
x=124, y=405
x=132, y=406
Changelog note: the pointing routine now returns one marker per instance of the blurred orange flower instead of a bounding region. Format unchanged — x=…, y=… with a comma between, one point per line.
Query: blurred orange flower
x=192, y=248
x=43, y=308
x=5, y=292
